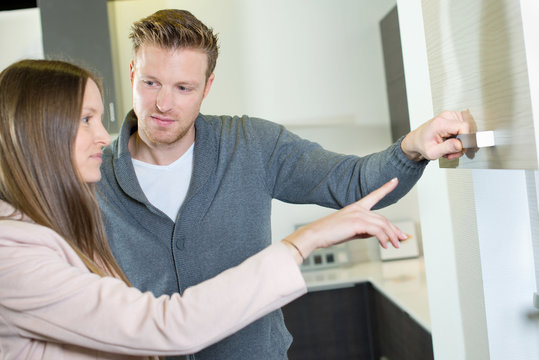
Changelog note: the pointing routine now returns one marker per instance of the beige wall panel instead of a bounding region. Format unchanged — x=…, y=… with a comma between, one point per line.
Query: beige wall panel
x=477, y=61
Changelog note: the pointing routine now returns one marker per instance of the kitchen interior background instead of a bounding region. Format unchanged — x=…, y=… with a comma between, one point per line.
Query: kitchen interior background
x=480, y=300
x=319, y=72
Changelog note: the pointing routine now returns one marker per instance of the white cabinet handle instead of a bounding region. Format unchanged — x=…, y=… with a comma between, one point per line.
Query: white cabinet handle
x=477, y=140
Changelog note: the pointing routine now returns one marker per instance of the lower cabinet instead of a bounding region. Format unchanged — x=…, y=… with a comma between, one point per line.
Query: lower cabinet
x=355, y=322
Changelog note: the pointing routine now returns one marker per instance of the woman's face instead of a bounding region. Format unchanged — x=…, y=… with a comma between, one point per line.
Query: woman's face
x=91, y=136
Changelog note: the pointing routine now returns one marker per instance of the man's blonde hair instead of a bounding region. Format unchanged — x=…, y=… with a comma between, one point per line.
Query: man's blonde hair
x=176, y=29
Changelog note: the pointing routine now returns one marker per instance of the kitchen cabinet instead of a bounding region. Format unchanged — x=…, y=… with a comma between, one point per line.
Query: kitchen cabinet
x=354, y=322
x=395, y=334
x=475, y=224
x=482, y=57
x=88, y=43
x=394, y=71
x=331, y=324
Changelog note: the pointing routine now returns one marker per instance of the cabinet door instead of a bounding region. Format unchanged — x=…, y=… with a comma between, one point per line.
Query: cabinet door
x=358, y=323
x=78, y=31
x=477, y=61
x=331, y=324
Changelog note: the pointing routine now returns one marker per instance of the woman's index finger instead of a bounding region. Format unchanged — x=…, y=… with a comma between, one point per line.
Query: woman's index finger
x=375, y=196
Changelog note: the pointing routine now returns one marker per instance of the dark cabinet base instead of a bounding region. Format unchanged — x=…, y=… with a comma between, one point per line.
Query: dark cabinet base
x=356, y=322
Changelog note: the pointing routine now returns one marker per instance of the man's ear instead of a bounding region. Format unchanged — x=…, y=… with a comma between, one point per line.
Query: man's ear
x=132, y=71
x=209, y=82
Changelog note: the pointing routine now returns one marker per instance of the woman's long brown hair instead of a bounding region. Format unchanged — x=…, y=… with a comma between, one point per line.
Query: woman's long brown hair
x=40, y=109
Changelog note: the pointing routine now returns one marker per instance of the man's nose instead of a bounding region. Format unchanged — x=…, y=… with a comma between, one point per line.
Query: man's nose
x=164, y=100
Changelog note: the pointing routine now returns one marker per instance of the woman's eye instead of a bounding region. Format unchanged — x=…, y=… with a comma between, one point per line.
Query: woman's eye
x=85, y=119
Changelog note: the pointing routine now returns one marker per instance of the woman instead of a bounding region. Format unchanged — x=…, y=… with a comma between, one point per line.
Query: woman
x=62, y=295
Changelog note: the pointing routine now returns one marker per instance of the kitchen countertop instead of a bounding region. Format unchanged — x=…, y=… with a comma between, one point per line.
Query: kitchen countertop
x=401, y=281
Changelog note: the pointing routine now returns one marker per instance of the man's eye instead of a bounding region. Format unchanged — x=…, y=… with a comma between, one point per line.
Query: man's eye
x=148, y=82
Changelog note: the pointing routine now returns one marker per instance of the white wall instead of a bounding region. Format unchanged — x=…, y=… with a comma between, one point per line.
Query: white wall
x=21, y=36
x=288, y=61
x=315, y=61
x=330, y=89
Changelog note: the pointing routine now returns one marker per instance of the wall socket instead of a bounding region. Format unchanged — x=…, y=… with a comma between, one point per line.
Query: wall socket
x=334, y=256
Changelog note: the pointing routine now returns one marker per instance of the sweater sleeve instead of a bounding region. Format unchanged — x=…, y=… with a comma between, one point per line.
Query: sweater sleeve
x=47, y=295
x=301, y=171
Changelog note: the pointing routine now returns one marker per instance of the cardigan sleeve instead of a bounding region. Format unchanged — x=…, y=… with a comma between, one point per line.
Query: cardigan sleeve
x=301, y=171
x=47, y=294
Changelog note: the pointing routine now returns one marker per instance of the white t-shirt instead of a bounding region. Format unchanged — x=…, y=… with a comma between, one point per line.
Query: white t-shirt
x=165, y=186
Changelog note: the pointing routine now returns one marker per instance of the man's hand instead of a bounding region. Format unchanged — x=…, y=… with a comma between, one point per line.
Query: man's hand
x=436, y=137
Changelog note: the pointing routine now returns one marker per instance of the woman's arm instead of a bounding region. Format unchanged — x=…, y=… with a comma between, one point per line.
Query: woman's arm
x=46, y=295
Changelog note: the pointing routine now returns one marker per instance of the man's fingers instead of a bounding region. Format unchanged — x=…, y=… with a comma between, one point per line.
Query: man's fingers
x=450, y=123
x=445, y=148
x=374, y=197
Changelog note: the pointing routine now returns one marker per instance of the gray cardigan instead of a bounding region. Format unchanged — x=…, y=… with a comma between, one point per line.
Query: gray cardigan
x=240, y=165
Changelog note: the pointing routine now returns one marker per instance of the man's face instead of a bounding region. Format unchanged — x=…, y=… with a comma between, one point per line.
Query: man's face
x=168, y=89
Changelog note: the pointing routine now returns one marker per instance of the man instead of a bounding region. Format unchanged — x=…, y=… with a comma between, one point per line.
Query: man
x=186, y=196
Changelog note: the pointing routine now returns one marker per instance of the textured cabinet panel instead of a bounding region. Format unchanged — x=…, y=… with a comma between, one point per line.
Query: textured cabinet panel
x=477, y=61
